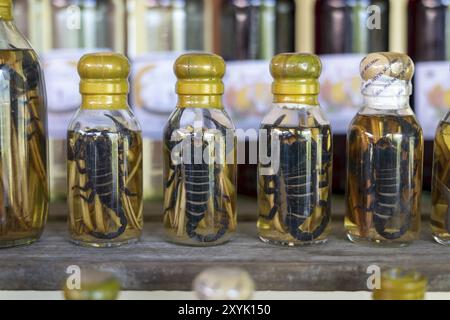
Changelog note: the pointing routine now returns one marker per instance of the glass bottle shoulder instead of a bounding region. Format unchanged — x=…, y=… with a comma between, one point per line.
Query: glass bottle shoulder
x=293, y=116
x=187, y=118
x=11, y=38
x=443, y=129
x=446, y=119
x=110, y=120
x=376, y=123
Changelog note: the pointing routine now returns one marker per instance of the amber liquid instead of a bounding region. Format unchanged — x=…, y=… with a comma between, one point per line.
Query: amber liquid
x=199, y=199
x=23, y=149
x=108, y=192
x=384, y=179
x=301, y=186
x=440, y=215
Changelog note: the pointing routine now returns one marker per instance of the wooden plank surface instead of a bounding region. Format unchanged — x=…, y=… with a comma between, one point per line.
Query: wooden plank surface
x=154, y=264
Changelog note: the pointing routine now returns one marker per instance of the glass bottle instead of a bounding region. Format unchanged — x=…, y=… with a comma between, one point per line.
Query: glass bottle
x=158, y=32
x=398, y=284
x=94, y=285
x=104, y=153
x=23, y=137
x=199, y=157
x=384, y=156
x=429, y=47
x=440, y=214
x=252, y=30
x=76, y=27
x=294, y=184
x=342, y=38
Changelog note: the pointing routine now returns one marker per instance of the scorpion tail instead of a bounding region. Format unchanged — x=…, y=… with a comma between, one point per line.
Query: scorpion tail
x=294, y=223
x=380, y=227
x=119, y=232
x=190, y=229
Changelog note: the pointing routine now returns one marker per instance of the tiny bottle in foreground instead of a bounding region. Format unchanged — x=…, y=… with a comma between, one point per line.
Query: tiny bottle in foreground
x=23, y=137
x=384, y=156
x=399, y=284
x=440, y=214
x=104, y=154
x=294, y=184
x=199, y=152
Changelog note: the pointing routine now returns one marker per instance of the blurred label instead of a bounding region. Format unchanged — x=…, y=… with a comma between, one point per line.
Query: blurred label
x=248, y=94
x=432, y=94
x=62, y=83
x=153, y=96
x=340, y=92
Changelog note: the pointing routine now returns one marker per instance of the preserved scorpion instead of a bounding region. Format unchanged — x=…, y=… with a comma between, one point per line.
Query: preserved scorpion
x=94, y=148
x=300, y=183
x=197, y=184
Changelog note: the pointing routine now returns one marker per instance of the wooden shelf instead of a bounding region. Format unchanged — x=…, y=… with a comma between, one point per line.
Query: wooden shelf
x=154, y=264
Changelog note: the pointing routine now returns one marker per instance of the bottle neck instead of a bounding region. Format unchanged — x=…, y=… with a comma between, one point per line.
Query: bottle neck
x=200, y=101
x=386, y=94
x=303, y=99
x=104, y=102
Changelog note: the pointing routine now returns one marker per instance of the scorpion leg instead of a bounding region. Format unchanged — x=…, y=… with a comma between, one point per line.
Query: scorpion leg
x=174, y=195
x=88, y=186
x=90, y=199
x=272, y=190
x=128, y=192
x=171, y=179
x=80, y=169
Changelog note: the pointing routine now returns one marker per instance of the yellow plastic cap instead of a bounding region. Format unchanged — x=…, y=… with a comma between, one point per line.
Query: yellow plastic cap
x=398, y=284
x=390, y=64
x=104, y=74
x=199, y=74
x=6, y=10
x=296, y=74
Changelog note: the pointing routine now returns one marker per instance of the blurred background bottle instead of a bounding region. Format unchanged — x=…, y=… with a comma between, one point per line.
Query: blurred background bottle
x=250, y=33
x=159, y=31
x=346, y=30
x=429, y=46
x=74, y=27
x=21, y=11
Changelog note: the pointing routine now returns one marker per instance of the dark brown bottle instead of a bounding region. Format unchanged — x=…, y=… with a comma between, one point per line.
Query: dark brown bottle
x=346, y=30
x=253, y=30
x=429, y=46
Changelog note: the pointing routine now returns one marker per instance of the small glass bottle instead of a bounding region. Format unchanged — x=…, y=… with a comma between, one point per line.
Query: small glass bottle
x=384, y=156
x=199, y=150
x=294, y=184
x=104, y=154
x=440, y=214
x=398, y=284
x=23, y=137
